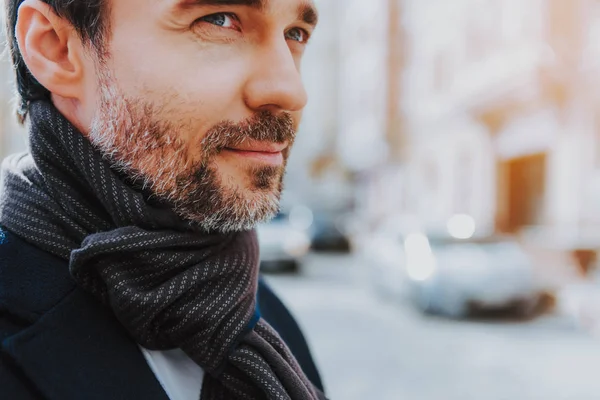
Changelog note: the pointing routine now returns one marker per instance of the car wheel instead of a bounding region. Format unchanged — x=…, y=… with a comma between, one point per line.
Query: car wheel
x=527, y=307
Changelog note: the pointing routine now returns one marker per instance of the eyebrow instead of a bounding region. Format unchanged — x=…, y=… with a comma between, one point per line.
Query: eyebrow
x=258, y=4
x=306, y=11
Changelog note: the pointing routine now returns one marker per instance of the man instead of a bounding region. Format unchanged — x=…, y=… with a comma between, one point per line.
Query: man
x=159, y=132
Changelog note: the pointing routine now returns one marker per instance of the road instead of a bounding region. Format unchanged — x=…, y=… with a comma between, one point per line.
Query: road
x=374, y=348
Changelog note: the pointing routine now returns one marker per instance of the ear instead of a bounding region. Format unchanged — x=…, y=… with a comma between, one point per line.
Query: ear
x=51, y=49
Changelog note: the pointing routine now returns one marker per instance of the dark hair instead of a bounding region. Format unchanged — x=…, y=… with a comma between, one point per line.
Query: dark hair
x=86, y=16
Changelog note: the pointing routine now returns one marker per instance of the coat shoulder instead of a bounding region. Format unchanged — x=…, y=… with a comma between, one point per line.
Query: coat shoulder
x=28, y=288
x=32, y=281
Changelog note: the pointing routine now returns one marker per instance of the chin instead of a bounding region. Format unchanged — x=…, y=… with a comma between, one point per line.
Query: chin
x=233, y=199
x=239, y=209
x=248, y=211
x=254, y=183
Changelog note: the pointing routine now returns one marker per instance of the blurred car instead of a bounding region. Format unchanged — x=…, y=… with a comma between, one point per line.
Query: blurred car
x=448, y=276
x=282, y=244
x=455, y=277
x=327, y=234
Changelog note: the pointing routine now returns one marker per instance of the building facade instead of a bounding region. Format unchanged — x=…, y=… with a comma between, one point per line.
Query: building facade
x=501, y=121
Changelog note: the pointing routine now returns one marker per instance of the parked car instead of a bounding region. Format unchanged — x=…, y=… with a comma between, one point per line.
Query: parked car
x=448, y=276
x=453, y=277
x=282, y=244
x=327, y=233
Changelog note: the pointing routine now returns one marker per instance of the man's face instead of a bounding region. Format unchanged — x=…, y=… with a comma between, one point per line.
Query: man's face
x=200, y=100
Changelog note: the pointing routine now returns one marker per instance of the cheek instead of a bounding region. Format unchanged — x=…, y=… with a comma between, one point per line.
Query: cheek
x=190, y=91
x=188, y=80
x=192, y=87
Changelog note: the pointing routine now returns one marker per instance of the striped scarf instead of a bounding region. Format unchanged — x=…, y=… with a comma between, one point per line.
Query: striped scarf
x=170, y=284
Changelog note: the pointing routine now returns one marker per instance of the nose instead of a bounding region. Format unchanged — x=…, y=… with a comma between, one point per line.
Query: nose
x=275, y=83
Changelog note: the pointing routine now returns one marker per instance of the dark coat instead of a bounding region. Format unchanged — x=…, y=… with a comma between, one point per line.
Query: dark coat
x=58, y=342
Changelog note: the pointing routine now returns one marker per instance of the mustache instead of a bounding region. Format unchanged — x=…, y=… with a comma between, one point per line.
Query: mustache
x=263, y=126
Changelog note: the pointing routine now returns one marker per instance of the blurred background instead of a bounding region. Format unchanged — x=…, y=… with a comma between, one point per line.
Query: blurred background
x=439, y=231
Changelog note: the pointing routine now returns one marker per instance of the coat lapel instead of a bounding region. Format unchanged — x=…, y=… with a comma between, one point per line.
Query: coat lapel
x=79, y=350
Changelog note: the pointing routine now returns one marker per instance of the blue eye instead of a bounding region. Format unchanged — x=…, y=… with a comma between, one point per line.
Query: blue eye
x=297, y=34
x=221, y=19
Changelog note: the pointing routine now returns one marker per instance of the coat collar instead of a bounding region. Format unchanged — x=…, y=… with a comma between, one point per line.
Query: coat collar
x=79, y=350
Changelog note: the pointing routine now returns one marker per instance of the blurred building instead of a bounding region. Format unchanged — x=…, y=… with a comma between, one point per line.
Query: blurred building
x=499, y=100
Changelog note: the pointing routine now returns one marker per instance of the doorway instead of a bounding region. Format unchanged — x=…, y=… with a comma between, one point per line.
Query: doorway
x=521, y=192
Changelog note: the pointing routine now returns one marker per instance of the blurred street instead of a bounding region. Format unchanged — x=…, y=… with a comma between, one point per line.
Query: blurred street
x=370, y=347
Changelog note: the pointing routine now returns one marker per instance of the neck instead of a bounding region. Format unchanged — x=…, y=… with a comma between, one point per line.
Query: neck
x=74, y=112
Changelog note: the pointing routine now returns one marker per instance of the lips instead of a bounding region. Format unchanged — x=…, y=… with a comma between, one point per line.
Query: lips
x=264, y=152
x=260, y=147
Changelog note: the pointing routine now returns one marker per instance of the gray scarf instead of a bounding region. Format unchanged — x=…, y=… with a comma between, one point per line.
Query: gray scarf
x=169, y=283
